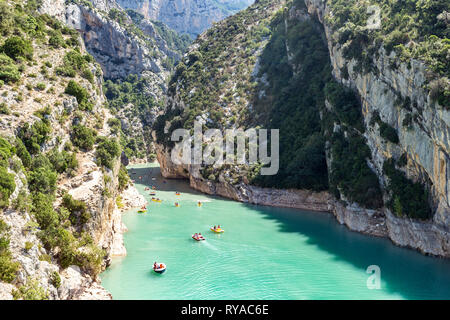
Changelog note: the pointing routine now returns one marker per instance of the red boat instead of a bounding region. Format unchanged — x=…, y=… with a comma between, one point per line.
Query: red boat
x=198, y=237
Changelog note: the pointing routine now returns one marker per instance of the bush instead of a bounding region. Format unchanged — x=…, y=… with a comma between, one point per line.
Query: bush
x=74, y=89
x=32, y=290
x=7, y=186
x=23, y=153
x=350, y=172
x=388, y=133
x=43, y=211
x=78, y=213
x=408, y=198
x=9, y=72
x=63, y=161
x=83, y=137
x=8, y=268
x=35, y=135
x=16, y=47
x=107, y=150
x=22, y=203
x=4, y=109
x=42, y=179
x=56, y=39
x=123, y=178
x=28, y=245
x=55, y=279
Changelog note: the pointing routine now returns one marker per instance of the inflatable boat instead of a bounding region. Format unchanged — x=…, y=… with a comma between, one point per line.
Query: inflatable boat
x=217, y=230
x=160, y=268
x=198, y=238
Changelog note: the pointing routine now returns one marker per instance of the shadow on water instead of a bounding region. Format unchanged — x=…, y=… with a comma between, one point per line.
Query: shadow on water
x=403, y=271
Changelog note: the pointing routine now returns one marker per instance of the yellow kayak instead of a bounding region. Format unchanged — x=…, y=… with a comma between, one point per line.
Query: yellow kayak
x=217, y=230
x=156, y=200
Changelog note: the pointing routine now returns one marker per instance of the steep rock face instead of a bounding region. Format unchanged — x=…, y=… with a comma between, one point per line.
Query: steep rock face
x=425, y=143
x=186, y=16
x=118, y=48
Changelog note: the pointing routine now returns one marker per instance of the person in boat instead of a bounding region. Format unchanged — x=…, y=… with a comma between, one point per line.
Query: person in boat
x=154, y=265
x=218, y=227
x=196, y=235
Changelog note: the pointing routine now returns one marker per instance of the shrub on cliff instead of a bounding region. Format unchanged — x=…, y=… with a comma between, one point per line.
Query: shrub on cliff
x=107, y=150
x=8, y=268
x=9, y=72
x=79, y=214
x=43, y=211
x=63, y=161
x=82, y=95
x=388, y=133
x=123, y=178
x=16, y=47
x=35, y=135
x=7, y=186
x=83, y=137
x=408, y=198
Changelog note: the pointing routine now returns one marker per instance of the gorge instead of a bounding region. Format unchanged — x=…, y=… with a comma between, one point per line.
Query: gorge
x=90, y=86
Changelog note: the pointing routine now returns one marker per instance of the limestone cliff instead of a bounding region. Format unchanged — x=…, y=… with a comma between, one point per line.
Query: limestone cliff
x=191, y=17
x=388, y=94
x=60, y=221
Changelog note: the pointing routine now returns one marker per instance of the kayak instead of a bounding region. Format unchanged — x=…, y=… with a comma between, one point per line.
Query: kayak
x=161, y=268
x=217, y=230
x=152, y=194
x=156, y=200
x=142, y=211
x=201, y=238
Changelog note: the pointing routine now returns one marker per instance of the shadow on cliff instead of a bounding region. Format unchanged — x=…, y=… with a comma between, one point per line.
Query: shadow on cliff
x=403, y=271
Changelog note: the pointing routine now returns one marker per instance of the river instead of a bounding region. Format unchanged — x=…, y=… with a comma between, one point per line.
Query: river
x=264, y=253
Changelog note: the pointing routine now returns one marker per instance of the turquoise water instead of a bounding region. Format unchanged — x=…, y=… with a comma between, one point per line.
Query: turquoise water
x=265, y=253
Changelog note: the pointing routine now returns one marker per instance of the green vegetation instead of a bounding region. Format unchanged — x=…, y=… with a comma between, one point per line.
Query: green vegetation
x=34, y=136
x=176, y=42
x=17, y=47
x=63, y=161
x=79, y=92
x=302, y=146
x=55, y=279
x=413, y=29
x=75, y=63
x=7, y=184
x=83, y=137
x=408, y=198
x=124, y=179
x=32, y=290
x=350, y=173
x=107, y=150
x=78, y=213
x=9, y=71
x=8, y=268
x=131, y=90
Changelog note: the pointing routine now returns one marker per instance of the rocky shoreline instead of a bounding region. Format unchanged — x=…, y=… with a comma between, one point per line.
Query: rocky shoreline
x=428, y=237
